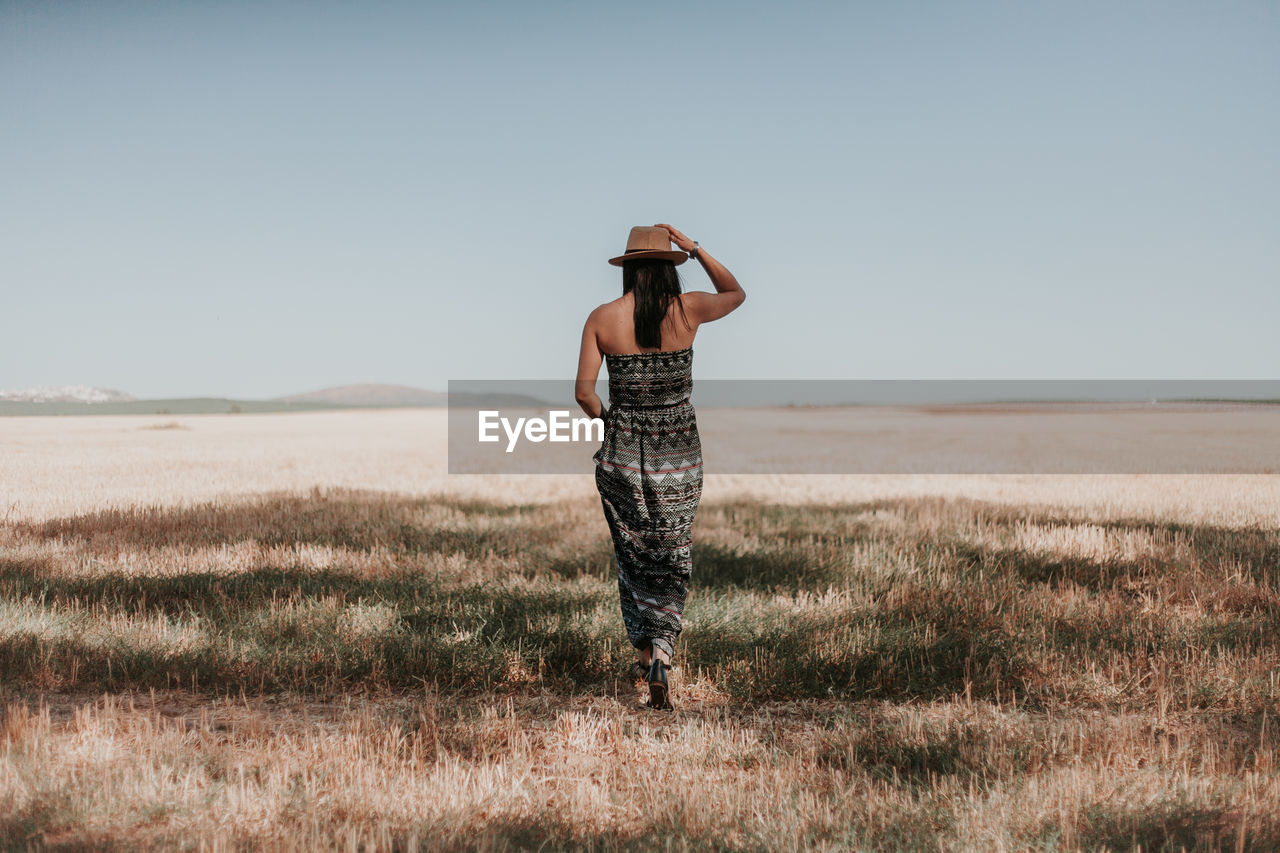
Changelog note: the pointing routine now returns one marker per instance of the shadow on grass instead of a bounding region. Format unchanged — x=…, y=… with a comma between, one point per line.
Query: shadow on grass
x=1173, y=827
x=302, y=629
x=1040, y=568
x=321, y=630
x=338, y=518
x=936, y=647
x=884, y=750
x=766, y=569
x=1255, y=550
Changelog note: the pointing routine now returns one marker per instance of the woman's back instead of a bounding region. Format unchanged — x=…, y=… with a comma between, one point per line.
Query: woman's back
x=616, y=331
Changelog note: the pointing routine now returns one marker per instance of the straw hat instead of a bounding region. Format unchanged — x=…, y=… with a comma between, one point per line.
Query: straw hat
x=645, y=241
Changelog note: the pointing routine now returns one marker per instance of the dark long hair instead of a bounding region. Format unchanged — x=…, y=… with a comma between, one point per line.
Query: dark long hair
x=655, y=283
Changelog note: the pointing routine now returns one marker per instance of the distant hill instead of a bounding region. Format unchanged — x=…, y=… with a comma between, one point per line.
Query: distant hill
x=459, y=399
x=66, y=394
x=78, y=400
x=371, y=395
x=174, y=406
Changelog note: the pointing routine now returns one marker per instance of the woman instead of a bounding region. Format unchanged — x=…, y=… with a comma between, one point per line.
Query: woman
x=649, y=468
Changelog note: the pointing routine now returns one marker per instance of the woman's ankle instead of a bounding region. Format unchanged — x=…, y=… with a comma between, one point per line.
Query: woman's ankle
x=648, y=653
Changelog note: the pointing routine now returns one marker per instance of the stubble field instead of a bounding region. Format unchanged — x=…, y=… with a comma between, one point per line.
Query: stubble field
x=297, y=632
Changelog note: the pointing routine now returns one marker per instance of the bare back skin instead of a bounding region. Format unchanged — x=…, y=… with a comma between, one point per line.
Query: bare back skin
x=615, y=328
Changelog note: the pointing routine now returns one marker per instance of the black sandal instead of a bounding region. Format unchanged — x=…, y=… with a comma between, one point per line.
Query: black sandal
x=659, y=688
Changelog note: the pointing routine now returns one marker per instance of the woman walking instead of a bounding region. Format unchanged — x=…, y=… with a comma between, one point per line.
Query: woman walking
x=649, y=467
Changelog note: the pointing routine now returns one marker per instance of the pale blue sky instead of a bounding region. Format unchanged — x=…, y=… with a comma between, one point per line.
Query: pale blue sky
x=260, y=198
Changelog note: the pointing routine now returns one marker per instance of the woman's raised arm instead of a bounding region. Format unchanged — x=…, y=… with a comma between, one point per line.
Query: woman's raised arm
x=729, y=294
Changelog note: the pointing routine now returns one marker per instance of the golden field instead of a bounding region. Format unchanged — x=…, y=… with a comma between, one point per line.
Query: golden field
x=298, y=632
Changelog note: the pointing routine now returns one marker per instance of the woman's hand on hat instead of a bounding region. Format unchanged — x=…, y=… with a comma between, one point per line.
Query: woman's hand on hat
x=676, y=237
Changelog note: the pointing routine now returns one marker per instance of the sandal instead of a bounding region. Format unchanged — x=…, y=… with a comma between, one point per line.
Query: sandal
x=659, y=688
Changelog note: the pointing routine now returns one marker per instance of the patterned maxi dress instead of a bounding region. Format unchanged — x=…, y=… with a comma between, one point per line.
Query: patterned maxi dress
x=649, y=475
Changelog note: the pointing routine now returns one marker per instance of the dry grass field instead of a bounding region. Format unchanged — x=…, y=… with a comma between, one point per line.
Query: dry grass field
x=297, y=632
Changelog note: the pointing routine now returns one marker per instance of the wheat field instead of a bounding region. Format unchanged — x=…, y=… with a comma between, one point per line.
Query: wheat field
x=298, y=632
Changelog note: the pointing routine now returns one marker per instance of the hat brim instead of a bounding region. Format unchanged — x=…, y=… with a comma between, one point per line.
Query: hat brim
x=677, y=257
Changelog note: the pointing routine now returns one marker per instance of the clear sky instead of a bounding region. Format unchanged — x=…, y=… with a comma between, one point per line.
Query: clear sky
x=251, y=199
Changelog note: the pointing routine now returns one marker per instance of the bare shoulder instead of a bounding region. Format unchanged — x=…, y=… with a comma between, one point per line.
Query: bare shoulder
x=601, y=312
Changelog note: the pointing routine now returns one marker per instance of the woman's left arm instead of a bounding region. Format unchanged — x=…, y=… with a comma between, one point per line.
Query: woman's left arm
x=589, y=358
